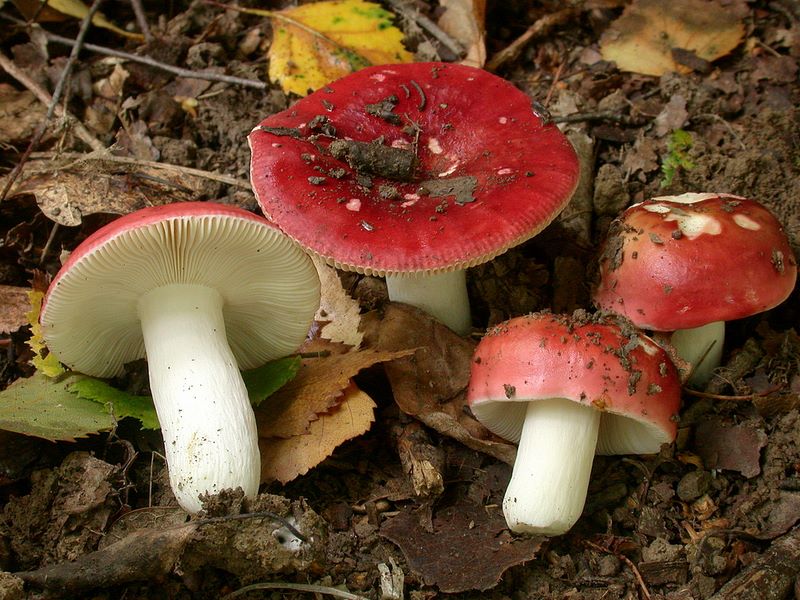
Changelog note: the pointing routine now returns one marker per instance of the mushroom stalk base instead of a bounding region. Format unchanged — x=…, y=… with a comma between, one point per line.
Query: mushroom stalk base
x=443, y=296
x=702, y=347
x=548, y=486
x=207, y=422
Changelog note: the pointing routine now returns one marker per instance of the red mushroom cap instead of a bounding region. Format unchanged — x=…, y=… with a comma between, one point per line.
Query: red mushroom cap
x=468, y=169
x=678, y=262
x=598, y=361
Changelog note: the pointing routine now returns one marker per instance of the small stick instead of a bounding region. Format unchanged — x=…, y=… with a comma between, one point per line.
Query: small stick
x=150, y=62
x=614, y=117
x=441, y=36
x=627, y=561
x=141, y=20
x=300, y=587
x=540, y=28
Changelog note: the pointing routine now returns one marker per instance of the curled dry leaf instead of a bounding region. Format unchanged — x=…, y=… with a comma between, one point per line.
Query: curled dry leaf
x=316, y=389
x=14, y=306
x=283, y=459
x=465, y=21
x=651, y=34
x=431, y=385
x=20, y=114
x=339, y=312
x=67, y=189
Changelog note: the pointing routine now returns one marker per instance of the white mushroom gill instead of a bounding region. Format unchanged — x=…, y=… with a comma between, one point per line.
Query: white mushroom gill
x=208, y=426
x=441, y=295
x=548, y=486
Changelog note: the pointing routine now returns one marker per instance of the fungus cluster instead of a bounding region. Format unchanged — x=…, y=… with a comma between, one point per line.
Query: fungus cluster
x=202, y=290
x=415, y=172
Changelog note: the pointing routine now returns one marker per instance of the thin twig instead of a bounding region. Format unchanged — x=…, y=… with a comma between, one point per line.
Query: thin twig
x=627, y=561
x=129, y=160
x=540, y=28
x=300, y=587
x=57, y=92
x=441, y=36
x=743, y=398
x=146, y=60
x=612, y=116
x=141, y=20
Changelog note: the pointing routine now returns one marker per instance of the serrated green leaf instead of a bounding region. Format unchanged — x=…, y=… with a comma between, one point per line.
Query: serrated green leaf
x=122, y=403
x=44, y=407
x=269, y=378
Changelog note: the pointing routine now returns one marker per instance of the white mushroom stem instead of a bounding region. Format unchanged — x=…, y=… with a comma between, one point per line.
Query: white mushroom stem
x=206, y=419
x=548, y=486
x=702, y=348
x=443, y=296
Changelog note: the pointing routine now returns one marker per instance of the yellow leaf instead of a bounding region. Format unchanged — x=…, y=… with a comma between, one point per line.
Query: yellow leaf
x=47, y=364
x=642, y=40
x=283, y=459
x=77, y=9
x=315, y=44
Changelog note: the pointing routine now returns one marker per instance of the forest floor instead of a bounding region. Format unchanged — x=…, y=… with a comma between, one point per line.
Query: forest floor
x=714, y=515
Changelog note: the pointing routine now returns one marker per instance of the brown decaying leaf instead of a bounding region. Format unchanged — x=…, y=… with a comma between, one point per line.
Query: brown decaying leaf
x=431, y=385
x=66, y=189
x=13, y=306
x=315, y=390
x=339, y=312
x=20, y=114
x=733, y=447
x=284, y=459
x=469, y=548
x=465, y=21
x=643, y=38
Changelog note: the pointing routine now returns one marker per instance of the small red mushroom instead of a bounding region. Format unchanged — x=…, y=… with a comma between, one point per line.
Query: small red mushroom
x=413, y=171
x=566, y=388
x=689, y=263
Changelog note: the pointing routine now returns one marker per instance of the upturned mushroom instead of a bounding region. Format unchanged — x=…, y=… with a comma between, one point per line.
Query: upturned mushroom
x=688, y=263
x=201, y=290
x=566, y=388
x=414, y=172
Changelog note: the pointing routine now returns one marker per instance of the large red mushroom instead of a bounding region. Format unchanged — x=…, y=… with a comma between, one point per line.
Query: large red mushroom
x=688, y=263
x=566, y=388
x=416, y=172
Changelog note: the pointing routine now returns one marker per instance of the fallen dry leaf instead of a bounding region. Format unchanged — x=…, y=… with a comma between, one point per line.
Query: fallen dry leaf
x=67, y=189
x=20, y=114
x=644, y=38
x=72, y=8
x=101, y=115
x=316, y=389
x=465, y=21
x=283, y=459
x=734, y=447
x=469, y=548
x=431, y=385
x=14, y=306
x=314, y=44
x=340, y=313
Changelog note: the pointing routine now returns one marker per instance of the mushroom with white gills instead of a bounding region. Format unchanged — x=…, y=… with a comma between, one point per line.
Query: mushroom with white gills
x=565, y=388
x=202, y=290
x=414, y=172
x=688, y=263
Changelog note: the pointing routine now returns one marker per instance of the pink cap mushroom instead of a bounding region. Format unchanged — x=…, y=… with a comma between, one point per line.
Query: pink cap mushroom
x=413, y=171
x=202, y=290
x=566, y=388
x=688, y=263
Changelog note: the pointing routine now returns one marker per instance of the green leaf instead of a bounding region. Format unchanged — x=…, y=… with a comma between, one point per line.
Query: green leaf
x=44, y=407
x=678, y=146
x=122, y=403
x=269, y=378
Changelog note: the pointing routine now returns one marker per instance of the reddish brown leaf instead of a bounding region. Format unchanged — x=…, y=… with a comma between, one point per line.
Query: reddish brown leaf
x=468, y=549
x=732, y=447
